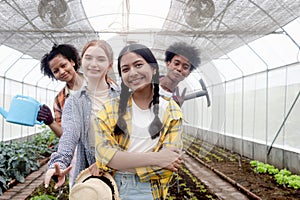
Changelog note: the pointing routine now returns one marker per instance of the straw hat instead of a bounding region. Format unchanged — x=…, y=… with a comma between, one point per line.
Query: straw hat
x=92, y=187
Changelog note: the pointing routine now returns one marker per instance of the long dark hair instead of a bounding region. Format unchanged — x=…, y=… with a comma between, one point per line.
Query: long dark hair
x=148, y=56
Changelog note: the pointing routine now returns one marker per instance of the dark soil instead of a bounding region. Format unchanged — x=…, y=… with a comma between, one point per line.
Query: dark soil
x=185, y=186
x=232, y=165
x=41, y=193
x=263, y=185
x=239, y=169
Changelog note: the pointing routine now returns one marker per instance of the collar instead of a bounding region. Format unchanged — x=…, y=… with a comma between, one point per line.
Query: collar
x=113, y=89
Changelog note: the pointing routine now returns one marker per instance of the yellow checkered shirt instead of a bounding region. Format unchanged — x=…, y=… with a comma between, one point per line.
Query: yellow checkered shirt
x=107, y=143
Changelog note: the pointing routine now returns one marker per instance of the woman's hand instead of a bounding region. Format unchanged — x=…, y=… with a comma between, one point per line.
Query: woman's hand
x=170, y=158
x=45, y=115
x=56, y=173
x=94, y=170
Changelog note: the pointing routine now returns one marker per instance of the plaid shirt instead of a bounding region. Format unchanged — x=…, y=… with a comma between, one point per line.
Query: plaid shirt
x=75, y=125
x=59, y=103
x=107, y=144
x=61, y=97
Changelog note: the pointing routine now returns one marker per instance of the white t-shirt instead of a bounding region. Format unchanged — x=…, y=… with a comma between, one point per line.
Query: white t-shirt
x=165, y=93
x=140, y=139
x=98, y=98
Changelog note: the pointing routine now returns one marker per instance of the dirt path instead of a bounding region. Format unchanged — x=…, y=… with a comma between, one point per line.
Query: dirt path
x=218, y=186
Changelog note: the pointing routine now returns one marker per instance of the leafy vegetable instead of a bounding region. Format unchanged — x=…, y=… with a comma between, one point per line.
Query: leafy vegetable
x=283, y=177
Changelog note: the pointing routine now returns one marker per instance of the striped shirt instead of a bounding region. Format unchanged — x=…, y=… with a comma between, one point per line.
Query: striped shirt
x=107, y=144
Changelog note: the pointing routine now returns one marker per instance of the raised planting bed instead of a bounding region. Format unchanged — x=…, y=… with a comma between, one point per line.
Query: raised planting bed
x=183, y=186
x=228, y=165
x=238, y=170
x=41, y=193
x=19, y=159
x=187, y=186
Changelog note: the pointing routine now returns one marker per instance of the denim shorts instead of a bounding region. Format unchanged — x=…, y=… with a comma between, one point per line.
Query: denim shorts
x=130, y=187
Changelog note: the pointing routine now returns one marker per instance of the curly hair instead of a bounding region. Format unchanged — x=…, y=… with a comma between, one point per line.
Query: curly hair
x=66, y=50
x=186, y=50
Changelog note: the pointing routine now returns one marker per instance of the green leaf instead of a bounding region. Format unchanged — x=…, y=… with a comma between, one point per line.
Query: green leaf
x=254, y=163
x=19, y=177
x=43, y=197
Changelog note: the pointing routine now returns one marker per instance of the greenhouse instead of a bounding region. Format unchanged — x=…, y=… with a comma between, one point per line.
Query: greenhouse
x=241, y=102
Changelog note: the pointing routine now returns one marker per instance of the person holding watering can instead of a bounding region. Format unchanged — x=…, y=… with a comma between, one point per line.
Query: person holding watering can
x=61, y=63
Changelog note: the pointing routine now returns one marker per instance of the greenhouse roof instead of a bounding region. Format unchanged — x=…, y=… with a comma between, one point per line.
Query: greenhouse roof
x=218, y=28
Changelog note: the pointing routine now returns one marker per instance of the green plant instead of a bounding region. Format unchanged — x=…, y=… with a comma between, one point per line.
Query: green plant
x=273, y=171
x=18, y=159
x=209, y=196
x=261, y=167
x=45, y=137
x=3, y=173
x=43, y=197
x=283, y=177
x=294, y=181
x=61, y=193
x=254, y=163
x=187, y=186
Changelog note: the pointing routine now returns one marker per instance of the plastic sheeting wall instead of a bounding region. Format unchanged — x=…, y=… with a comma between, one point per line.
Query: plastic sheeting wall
x=251, y=109
x=9, y=89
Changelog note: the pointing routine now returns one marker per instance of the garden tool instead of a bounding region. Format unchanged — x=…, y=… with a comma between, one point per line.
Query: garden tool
x=23, y=110
x=201, y=93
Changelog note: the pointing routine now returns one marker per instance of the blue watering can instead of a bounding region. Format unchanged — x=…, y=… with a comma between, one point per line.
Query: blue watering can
x=23, y=110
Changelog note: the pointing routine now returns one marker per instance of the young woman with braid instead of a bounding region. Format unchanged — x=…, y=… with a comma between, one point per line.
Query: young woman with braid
x=138, y=135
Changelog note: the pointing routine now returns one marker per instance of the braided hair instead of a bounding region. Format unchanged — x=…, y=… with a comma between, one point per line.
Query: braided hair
x=156, y=124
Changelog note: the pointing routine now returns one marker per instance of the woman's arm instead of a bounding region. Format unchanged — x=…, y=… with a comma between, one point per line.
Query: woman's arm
x=127, y=160
x=71, y=126
x=108, y=146
x=109, y=154
x=56, y=128
x=171, y=137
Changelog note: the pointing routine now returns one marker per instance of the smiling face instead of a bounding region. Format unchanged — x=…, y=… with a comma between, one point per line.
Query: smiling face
x=178, y=68
x=95, y=63
x=135, y=71
x=62, y=68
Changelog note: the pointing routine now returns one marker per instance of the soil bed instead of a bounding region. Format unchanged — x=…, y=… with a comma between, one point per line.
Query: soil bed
x=231, y=164
x=263, y=185
x=42, y=193
x=239, y=169
x=186, y=186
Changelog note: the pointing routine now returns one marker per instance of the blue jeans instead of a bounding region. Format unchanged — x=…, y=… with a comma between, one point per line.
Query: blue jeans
x=130, y=187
